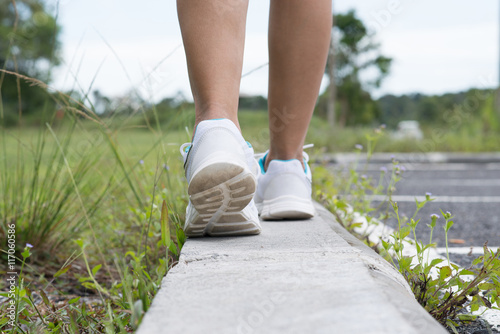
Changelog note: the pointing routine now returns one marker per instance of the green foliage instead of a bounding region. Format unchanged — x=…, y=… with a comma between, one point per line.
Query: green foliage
x=168, y=114
x=489, y=116
x=457, y=110
x=32, y=34
x=467, y=121
x=252, y=102
x=30, y=47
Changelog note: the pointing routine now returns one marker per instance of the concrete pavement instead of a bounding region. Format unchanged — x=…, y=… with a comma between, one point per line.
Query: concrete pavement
x=296, y=277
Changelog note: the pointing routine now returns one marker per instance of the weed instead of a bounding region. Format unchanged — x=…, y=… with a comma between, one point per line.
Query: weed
x=449, y=293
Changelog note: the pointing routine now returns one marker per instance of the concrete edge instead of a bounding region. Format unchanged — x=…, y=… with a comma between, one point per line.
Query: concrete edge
x=369, y=256
x=388, y=278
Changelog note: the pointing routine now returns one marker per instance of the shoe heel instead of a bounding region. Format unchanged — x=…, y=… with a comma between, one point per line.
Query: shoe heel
x=222, y=186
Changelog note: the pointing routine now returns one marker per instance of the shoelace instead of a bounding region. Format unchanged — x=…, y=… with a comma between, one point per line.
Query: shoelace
x=259, y=156
x=184, y=149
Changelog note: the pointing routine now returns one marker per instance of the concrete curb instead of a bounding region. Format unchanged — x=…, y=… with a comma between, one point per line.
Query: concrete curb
x=307, y=276
x=416, y=157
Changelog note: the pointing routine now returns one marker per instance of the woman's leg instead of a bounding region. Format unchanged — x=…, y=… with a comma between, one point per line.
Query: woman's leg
x=213, y=32
x=219, y=165
x=299, y=38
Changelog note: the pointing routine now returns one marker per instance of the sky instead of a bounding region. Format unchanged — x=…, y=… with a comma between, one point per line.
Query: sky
x=120, y=46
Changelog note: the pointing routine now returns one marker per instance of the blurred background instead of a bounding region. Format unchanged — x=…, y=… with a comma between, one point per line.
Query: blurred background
x=432, y=63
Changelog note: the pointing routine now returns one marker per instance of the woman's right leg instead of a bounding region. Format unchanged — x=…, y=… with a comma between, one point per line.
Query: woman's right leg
x=299, y=37
x=213, y=32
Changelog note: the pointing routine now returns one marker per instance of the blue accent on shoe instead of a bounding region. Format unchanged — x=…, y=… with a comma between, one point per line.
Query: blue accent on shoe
x=186, y=150
x=261, y=164
x=249, y=145
x=305, y=166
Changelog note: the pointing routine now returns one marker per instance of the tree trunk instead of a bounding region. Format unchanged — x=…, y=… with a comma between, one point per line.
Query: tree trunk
x=344, y=109
x=497, y=102
x=331, y=76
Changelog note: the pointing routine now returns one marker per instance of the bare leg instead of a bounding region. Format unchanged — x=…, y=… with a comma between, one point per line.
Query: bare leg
x=299, y=38
x=213, y=32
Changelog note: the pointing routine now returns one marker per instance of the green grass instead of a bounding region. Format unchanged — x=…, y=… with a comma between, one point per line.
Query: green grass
x=88, y=197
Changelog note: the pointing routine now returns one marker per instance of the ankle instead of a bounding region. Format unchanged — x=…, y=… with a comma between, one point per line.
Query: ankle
x=215, y=111
x=283, y=156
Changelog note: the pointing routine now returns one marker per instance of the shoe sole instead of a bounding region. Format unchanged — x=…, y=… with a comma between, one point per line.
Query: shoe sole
x=219, y=192
x=286, y=207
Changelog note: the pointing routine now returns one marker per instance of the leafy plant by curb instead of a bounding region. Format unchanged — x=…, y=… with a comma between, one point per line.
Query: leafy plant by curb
x=449, y=293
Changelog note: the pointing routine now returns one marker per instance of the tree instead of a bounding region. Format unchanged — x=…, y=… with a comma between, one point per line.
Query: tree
x=332, y=91
x=356, y=52
x=30, y=47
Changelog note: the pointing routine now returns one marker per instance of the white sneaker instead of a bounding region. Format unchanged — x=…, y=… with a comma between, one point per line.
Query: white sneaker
x=221, y=172
x=284, y=190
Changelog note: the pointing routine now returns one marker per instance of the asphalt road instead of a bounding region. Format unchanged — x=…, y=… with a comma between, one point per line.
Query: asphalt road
x=469, y=191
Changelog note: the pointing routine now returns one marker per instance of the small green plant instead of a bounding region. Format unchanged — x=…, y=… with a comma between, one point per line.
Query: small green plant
x=445, y=291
